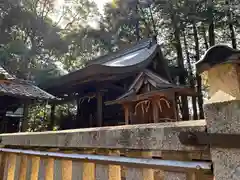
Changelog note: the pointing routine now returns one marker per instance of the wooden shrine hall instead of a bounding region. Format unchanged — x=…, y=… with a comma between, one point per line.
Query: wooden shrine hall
x=17, y=94
x=123, y=87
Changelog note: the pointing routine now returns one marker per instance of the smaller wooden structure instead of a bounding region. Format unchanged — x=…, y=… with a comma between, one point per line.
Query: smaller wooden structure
x=151, y=99
x=16, y=93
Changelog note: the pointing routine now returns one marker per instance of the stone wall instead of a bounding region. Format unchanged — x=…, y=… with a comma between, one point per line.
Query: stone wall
x=151, y=151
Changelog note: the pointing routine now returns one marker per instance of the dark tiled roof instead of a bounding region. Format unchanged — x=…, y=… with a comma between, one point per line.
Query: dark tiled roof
x=112, y=66
x=145, y=43
x=217, y=54
x=11, y=86
x=23, y=89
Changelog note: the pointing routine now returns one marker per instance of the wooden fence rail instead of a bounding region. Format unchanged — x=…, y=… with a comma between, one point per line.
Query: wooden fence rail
x=63, y=155
x=34, y=165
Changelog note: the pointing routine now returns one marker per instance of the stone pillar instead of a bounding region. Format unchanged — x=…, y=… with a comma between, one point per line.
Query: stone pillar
x=224, y=117
x=222, y=112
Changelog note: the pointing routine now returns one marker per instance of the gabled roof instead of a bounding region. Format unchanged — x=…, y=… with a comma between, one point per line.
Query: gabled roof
x=147, y=76
x=217, y=54
x=113, y=66
x=11, y=86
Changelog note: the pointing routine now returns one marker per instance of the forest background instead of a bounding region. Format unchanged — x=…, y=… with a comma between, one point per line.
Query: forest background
x=42, y=39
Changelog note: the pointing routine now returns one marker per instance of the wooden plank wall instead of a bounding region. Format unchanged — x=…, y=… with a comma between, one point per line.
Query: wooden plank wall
x=26, y=167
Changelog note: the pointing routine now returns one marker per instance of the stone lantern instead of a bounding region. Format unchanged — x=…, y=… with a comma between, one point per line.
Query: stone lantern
x=220, y=71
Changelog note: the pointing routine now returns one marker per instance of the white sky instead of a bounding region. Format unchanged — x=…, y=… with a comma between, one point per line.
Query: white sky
x=93, y=23
x=100, y=3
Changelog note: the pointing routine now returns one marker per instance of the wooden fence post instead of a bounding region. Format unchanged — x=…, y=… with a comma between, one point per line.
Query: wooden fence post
x=11, y=166
x=35, y=167
x=88, y=169
x=23, y=167
x=139, y=173
x=114, y=172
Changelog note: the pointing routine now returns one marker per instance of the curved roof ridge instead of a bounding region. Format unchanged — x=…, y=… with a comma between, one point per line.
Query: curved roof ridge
x=134, y=47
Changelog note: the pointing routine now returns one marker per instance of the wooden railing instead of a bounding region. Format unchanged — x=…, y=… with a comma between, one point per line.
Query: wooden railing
x=139, y=152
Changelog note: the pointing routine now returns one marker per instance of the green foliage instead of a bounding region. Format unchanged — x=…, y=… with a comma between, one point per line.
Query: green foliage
x=17, y=47
x=33, y=40
x=38, y=118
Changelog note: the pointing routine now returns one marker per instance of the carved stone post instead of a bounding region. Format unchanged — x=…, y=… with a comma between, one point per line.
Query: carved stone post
x=222, y=110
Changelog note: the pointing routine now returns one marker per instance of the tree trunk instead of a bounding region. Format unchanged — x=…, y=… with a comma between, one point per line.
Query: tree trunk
x=211, y=28
x=153, y=22
x=233, y=37
x=198, y=78
x=178, y=46
x=52, y=117
x=204, y=37
x=211, y=34
x=191, y=78
x=231, y=27
x=137, y=27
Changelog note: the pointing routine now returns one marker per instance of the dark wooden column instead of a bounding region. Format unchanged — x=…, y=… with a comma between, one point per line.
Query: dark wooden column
x=126, y=113
x=99, y=108
x=175, y=106
x=155, y=110
x=24, y=124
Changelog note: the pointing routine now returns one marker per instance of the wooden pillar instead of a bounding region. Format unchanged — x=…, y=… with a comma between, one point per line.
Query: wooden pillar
x=24, y=125
x=155, y=111
x=175, y=106
x=99, y=109
x=126, y=113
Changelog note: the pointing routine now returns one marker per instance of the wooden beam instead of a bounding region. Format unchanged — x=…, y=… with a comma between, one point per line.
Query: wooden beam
x=114, y=87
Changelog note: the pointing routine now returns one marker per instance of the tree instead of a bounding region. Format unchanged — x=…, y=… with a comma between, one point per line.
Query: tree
x=31, y=39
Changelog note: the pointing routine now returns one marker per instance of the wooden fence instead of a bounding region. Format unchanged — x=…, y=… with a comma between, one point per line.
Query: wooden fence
x=135, y=152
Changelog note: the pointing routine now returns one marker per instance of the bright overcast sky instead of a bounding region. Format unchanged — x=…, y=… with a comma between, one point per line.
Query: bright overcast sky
x=93, y=23
x=100, y=3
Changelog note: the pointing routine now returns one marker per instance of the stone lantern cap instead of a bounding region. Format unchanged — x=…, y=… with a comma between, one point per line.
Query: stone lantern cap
x=216, y=55
x=220, y=72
